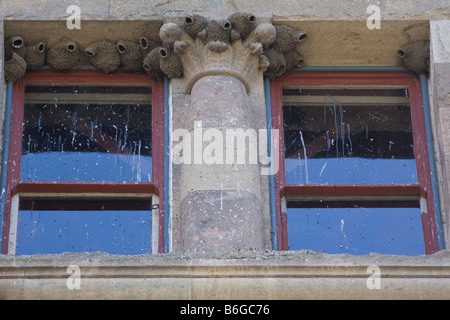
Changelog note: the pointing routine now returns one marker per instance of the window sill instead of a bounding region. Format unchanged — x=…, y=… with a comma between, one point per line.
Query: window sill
x=241, y=275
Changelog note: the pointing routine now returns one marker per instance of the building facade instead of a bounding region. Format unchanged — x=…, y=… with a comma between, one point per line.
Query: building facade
x=225, y=150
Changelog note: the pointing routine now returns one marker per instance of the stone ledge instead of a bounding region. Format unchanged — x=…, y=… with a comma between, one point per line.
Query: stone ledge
x=238, y=275
x=290, y=10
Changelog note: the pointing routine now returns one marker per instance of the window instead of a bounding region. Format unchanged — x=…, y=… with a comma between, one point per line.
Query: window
x=354, y=175
x=85, y=164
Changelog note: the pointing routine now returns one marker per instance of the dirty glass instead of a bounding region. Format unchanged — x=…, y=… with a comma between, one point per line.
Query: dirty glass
x=348, y=136
x=81, y=132
x=356, y=227
x=115, y=227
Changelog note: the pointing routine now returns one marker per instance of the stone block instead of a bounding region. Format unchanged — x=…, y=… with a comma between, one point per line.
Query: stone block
x=220, y=221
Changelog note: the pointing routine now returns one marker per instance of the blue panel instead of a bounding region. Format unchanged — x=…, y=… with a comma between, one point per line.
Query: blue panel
x=356, y=230
x=350, y=170
x=85, y=167
x=114, y=232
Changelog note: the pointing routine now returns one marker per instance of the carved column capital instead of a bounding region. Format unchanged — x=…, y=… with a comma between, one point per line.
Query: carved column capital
x=238, y=46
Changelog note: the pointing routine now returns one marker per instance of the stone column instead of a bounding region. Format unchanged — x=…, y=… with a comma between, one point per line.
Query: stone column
x=440, y=90
x=221, y=207
x=217, y=68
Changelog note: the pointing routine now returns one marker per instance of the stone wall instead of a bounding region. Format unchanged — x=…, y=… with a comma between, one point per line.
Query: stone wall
x=337, y=36
x=287, y=10
x=235, y=275
x=440, y=89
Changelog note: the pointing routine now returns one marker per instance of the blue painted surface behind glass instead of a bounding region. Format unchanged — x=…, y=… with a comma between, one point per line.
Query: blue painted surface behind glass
x=356, y=144
x=85, y=167
x=86, y=142
x=359, y=143
x=114, y=232
x=350, y=170
x=356, y=230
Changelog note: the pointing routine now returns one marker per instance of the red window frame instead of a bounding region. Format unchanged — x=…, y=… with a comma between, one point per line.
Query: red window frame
x=14, y=185
x=423, y=188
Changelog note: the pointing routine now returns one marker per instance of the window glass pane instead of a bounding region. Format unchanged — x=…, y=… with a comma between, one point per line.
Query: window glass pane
x=87, y=133
x=115, y=227
x=356, y=228
x=334, y=136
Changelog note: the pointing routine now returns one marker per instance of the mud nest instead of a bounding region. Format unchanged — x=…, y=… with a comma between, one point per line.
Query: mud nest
x=64, y=55
x=415, y=57
x=103, y=55
x=35, y=56
x=15, y=67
